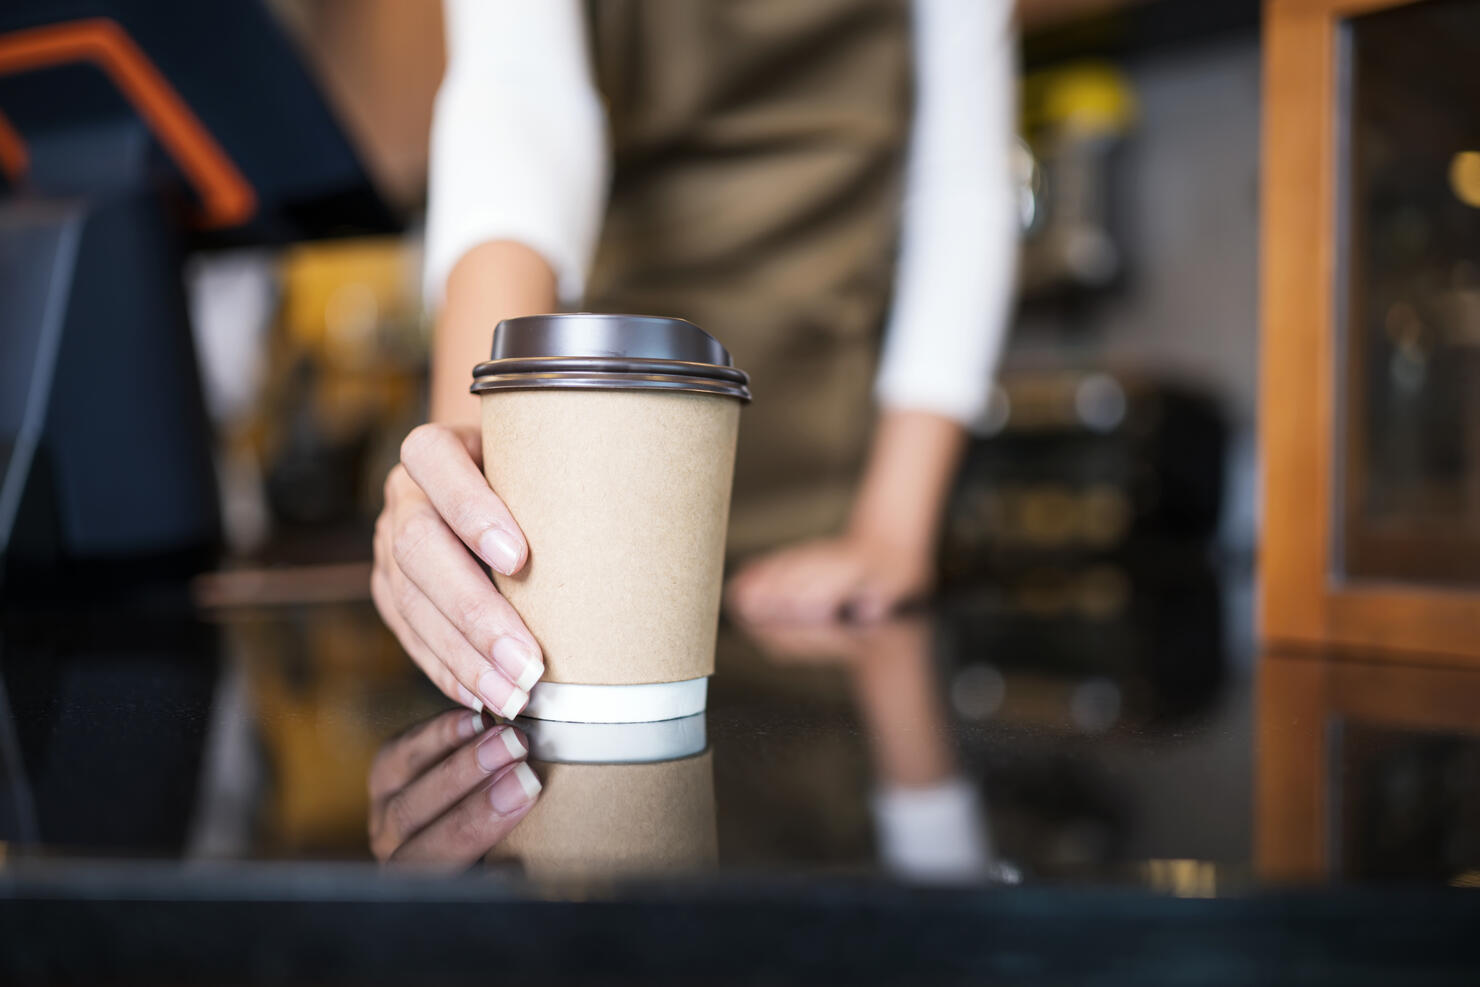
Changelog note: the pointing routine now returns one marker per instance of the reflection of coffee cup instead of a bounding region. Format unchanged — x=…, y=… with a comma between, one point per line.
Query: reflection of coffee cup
x=612, y=440
x=630, y=799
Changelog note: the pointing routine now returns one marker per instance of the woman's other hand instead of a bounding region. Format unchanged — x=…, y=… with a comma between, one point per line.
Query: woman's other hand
x=853, y=576
x=887, y=555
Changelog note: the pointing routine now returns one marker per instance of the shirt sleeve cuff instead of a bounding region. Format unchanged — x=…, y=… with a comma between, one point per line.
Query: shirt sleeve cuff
x=939, y=390
x=447, y=249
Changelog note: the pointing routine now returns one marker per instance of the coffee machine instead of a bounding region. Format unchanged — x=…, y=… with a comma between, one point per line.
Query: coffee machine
x=133, y=132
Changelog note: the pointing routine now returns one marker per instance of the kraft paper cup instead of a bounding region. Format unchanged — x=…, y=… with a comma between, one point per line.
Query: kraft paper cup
x=619, y=800
x=620, y=481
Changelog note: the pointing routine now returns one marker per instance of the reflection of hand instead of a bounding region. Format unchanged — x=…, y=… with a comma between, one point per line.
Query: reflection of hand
x=818, y=581
x=893, y=673
x=899, y=640
x=442, y=794
x=429, y=589
x=930, y=822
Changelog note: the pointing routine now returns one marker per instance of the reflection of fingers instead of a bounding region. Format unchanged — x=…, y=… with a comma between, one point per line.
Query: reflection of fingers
x=902, y=640
x=475, y=825
x=791, y=640
x=439, y=788
x=402, y=760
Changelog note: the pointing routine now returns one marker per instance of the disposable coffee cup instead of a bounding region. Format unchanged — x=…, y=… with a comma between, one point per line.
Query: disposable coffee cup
x=612, y=440
x=619, y=800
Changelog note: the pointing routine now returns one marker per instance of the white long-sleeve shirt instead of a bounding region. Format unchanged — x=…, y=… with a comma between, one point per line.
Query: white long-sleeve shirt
x=519, y=152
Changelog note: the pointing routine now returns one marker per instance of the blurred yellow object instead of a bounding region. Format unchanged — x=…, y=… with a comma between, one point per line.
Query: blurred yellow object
x=1464, y=177
x=338, y=297
x=1182, y=878
x=1086, y=98
x=321, y=693
x=347, y=379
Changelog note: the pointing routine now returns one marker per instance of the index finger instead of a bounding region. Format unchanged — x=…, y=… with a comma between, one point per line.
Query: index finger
x=441, y=463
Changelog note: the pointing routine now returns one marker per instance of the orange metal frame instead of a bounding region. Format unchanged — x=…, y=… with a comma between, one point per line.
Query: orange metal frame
x=226, y=197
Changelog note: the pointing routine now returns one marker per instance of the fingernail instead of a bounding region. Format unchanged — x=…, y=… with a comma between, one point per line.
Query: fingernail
x=518, y=659
x=470, y=727
x=500, y=550
x=516, y=789
x=469, y=700
x=502, y=696
x=500, y=749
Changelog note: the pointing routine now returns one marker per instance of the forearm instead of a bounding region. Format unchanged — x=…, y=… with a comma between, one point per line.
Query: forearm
x=493, y=281
x=911, y=465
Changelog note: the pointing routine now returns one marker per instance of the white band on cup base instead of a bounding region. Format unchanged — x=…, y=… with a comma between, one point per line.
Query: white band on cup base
x=645, y=703
x=615, y=743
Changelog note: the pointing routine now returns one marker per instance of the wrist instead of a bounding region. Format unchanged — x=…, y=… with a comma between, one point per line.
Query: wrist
x=495, y=280
x=902, y=498
x=909, y=537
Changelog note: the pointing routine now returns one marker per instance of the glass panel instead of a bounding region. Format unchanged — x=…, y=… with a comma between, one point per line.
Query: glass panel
x=1408, y=808
x=1411, y=218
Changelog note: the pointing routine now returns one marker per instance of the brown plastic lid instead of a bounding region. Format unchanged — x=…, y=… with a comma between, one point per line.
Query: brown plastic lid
x=585, y=350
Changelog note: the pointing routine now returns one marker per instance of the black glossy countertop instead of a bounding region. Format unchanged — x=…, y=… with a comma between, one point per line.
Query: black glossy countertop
x=1006, y=786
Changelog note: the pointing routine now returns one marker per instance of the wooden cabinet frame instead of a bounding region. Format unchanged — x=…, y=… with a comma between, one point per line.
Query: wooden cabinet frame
x=1304, y=600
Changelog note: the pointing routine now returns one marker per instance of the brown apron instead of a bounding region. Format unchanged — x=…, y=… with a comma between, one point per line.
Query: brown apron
x=758, y=147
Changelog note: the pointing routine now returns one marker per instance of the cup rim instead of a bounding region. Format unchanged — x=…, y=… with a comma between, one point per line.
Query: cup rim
x=610, y=373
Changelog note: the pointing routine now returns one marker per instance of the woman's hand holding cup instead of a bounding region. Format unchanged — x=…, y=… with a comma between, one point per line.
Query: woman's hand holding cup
x=439, y=513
